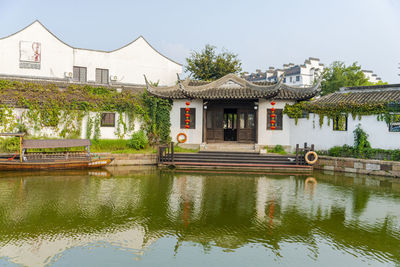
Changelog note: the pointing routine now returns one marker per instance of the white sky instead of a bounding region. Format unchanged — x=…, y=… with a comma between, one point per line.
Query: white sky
x=264, y=33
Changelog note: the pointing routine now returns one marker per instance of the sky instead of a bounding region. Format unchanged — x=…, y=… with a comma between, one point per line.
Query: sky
x=262, y=32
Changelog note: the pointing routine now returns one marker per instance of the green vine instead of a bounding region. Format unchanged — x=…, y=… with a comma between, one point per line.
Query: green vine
x=384, y=111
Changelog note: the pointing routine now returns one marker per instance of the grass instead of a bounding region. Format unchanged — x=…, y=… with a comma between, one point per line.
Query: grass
x=117, y=146
x=179, y=149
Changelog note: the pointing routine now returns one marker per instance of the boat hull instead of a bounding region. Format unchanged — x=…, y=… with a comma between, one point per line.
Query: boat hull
x=56, y=165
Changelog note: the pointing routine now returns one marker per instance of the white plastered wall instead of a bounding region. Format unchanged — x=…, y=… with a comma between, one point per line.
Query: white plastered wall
x=308, y=130
x=194, y=136
x=272, y=137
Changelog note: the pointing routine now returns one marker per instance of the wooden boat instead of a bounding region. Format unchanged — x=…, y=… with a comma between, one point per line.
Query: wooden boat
x=51, y=160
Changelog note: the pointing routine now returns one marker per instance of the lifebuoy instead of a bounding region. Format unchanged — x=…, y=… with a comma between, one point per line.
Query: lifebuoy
x=306, y=157
x=310, y=180
x=180, y=140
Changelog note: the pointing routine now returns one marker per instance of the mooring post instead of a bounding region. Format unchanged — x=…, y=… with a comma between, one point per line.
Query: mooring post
x=172, y=153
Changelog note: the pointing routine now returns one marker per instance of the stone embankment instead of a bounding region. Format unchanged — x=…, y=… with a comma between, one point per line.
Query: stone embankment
x=361, y=166
x=131, y=159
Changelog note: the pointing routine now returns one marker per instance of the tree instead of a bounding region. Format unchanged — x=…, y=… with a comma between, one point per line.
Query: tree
x=339, y=75
x=207, y=65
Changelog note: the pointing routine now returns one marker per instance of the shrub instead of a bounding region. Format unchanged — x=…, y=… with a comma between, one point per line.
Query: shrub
x=10, y=144
x=278, y=149
x=138, y=140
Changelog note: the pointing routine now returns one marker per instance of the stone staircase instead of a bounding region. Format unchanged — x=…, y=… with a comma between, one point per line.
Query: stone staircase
x=229, y=147
x=234, y=160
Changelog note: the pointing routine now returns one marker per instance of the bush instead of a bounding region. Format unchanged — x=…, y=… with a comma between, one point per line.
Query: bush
x=138, y=140
x=10, y=144
x=278, y=149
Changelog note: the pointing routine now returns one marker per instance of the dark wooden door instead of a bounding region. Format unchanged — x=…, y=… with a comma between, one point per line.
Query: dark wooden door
x=215, y=124
x=247, y=125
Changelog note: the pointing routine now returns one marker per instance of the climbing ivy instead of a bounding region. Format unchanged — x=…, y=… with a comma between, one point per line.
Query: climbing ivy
x=63, y=109
x=384, y=111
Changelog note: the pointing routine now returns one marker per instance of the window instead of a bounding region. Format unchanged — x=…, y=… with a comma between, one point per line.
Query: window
x=79, y=74
x=284, y=79
x=108, y=120
x=192, y=118
x=340, y=123
x=290, y=79
x=102, y=76
x=278, y=119
x=394, y=125
x=297, y=78
x=209, y=119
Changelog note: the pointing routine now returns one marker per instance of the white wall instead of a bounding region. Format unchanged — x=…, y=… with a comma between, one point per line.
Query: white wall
x=272, y=137
x=194, y=136
x=308, y=130
x=128, y=63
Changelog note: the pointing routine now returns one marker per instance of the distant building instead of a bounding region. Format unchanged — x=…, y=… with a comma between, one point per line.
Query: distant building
x=298, y=75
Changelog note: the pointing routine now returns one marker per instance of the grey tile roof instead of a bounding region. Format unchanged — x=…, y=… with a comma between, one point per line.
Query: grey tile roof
x=232, y=87
x=378, y=94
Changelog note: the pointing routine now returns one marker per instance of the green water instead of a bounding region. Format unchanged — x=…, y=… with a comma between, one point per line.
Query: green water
x=143, y=217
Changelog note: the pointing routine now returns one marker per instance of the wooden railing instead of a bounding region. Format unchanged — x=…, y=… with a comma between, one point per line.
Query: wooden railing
x=166, y=153
x=301, y=152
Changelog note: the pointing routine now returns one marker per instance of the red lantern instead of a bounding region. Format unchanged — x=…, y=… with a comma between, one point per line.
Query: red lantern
x=187, y=109
x=187, y=126
x=273, y=127
x=272, y=109
x=272, y=121
x=187, y=121
x=187, y=103
x=273, y=115
x=187, y=115
x=273, y=103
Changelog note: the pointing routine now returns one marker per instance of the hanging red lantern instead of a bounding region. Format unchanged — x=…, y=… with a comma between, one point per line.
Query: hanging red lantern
x=187, y=103
x=187, y=121
x=273, y=115
x=187, y=109
x=187, y=126
x=273, y=103
x=272, y=110
x=273, y=127
x=187, y=115
x=272, y=121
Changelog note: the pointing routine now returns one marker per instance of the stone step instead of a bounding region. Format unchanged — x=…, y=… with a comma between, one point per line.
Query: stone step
x=228, y=146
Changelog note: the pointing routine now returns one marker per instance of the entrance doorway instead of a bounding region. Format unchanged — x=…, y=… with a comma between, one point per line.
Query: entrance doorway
x=230, y=121
x=230, y=124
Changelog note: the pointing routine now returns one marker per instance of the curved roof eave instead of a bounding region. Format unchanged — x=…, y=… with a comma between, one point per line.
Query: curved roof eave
x=88, y=49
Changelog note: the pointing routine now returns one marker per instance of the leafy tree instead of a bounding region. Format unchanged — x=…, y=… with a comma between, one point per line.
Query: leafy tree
x=339, y=75
x=208, y=65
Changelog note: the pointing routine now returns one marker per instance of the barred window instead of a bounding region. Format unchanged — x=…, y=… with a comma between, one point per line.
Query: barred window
x=394, y=124
x=102, y=76
x=79, y=74
x=192, y=118
x=108, y=120
x=340, y=123
x=278, y=119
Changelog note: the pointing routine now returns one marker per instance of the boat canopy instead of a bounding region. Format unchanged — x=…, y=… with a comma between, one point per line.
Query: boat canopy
x=12, y=134
x=55, y=143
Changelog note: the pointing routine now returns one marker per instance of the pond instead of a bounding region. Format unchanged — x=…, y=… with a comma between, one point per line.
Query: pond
x=145, y=217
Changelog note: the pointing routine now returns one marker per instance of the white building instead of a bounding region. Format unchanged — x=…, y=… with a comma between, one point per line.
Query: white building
x=35, y=52
x=232, y=110
x=296, y=75
x=299, y=75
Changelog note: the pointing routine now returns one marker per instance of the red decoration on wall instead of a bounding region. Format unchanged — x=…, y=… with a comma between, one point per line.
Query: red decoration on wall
x=187, y=115
x=273, y=115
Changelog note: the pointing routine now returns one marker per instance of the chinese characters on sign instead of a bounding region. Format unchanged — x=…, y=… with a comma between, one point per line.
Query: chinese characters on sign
x=29, y=55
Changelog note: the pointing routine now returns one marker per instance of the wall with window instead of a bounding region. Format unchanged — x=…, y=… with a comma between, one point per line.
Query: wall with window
x=279, y=136
x=195, y=132
x=42, y=54
x=325, y=137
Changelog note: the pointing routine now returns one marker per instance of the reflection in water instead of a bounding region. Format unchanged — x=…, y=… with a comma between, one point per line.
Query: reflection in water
x=165, y=217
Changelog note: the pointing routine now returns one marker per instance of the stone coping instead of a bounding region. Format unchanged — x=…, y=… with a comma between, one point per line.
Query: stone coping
x=362, y=166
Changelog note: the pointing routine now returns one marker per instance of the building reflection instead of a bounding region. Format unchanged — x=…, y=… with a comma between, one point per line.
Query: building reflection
x=43, y=216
